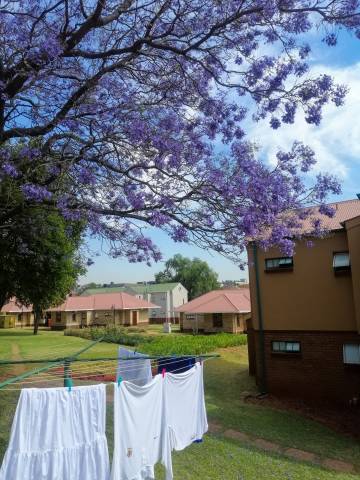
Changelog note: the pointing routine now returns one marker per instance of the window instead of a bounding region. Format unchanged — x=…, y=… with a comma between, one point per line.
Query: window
x=278, y=264
x=190, y=317
x=58, y=316
x=238, y=324
x=74, y=317
x=83, y=316
x=285, y=347
x=217, y=320
x=341, y=262
x=351, y=353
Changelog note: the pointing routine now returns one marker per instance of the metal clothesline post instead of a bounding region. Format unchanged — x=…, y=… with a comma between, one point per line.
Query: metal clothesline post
x=50, y=364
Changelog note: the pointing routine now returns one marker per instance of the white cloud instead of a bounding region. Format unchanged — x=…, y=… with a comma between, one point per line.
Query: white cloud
x=336, y=141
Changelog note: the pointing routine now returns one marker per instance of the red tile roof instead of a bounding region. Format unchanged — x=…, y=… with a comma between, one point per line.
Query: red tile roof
x=13, y=307
x=104, y=301
x=344, y=210
x=219, y=301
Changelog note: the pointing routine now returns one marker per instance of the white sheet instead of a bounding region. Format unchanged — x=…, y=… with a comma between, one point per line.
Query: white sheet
x=58, y=435
x=135, y=371
x=185, y=407
x=140, y=439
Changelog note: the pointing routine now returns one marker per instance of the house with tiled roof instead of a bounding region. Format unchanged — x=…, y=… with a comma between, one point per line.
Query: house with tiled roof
x=225, y=310
x=167, y=296
x=118, y=308
x=19, y=315
x=304, y=334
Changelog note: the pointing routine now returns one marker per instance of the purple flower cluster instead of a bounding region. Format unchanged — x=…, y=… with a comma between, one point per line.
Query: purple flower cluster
x=35, y=193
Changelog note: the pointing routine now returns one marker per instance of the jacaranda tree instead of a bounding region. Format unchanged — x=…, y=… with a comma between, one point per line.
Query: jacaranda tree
x=139, y=107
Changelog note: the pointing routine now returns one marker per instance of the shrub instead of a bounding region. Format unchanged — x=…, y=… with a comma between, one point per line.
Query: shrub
x=162, y=344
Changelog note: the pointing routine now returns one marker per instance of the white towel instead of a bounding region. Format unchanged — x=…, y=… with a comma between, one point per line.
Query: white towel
x=58, y=434
x=185, y=407
x=135, y=371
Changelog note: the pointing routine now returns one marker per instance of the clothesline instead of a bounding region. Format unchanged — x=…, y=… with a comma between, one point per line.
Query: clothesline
x=42, y=378
x=150, y=421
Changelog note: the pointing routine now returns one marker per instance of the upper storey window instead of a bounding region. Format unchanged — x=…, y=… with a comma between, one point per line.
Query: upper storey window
x=279, y=264
x=341, y=262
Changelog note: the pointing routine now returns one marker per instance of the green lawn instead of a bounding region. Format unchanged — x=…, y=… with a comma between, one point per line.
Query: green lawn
x=217, y=458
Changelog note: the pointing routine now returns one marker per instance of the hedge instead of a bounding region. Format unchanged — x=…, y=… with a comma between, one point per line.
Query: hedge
x=164, y=344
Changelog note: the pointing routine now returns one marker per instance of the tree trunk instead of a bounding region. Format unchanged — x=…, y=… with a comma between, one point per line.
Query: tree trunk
x=37, y=316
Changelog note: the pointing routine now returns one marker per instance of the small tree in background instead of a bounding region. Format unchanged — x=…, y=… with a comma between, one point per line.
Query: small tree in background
x=44, y=262
x=196, y=275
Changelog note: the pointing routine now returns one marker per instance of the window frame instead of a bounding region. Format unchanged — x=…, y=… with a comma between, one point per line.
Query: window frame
x=285, y=351
x=58, y=317
x=217, y=320
x=279, y=268
x=344, y=268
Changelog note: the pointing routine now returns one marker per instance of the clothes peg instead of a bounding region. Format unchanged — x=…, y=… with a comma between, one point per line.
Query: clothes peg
x=119, y=381
x=163, y=372
x=69, y=384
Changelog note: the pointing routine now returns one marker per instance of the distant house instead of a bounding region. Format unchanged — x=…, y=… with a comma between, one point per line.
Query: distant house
x=168, y=296
x=305, y=335
x=217, y=311
x=23, y=316
x=105, y=309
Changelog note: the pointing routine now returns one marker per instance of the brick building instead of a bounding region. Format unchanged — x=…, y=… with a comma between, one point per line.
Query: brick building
x=225, y=310
x=104, y=309
x=304, y=335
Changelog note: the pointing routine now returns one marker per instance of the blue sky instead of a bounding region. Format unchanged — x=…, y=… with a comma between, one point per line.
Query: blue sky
x=336, y=142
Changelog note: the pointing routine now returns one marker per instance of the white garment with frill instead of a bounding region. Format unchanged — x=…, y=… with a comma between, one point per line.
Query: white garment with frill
x=58, y=434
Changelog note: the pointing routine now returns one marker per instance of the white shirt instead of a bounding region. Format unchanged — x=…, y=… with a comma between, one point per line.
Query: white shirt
x=140, y=433
x=58, y=435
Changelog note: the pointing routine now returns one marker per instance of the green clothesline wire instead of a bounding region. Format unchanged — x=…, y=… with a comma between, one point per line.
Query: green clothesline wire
x=67, y=361
x=74, y=358
x=51, y=363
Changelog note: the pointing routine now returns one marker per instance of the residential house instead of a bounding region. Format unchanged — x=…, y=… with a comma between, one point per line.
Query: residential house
x=22, y=316
x=217, y=311
x=304, y=334
x=168, y=296
x=105, y=309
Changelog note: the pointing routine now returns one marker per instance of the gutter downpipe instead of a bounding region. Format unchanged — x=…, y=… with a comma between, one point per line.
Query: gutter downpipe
x=263, y=380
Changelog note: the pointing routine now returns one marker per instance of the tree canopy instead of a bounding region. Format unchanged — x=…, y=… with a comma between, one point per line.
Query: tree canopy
x=128, y=99
x=47, y=264
x=196, y=275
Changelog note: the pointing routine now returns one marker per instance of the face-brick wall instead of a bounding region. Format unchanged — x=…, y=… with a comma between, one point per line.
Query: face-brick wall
x=318, y=373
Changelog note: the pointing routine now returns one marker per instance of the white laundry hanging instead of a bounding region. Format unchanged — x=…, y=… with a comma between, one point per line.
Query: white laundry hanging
x=185, y=407
x=135, y=371
x=58, y=434
x=140, y=439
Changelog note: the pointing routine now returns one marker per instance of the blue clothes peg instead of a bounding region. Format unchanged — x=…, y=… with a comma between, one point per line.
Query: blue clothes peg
x=119, y=381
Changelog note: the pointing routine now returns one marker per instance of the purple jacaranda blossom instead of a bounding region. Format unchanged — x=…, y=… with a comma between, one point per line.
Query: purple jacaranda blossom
x=10, y=170
x=132, y=123
x=35, y=193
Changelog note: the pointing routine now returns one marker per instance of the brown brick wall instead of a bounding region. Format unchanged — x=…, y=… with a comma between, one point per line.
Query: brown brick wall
x=318, y=373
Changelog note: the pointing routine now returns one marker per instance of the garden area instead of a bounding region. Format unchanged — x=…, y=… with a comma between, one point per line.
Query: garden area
x=247, y=441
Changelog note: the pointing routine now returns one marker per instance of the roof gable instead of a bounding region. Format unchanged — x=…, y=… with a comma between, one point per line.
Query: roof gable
x=219, y=301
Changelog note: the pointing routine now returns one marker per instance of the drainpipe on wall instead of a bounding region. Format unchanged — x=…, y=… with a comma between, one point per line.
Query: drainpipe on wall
x=263, y=382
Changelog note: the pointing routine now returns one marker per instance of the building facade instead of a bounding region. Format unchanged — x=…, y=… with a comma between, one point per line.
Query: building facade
x=304, y=334
x=217, y=311
x=167, y=297
x=100, y=310
x=22, y=316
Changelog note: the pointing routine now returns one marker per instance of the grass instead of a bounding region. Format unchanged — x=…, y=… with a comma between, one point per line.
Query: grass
x=161, y=344
x=217, y=458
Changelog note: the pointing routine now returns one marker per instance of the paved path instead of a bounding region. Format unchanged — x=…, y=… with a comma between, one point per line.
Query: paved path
x=296, y=454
